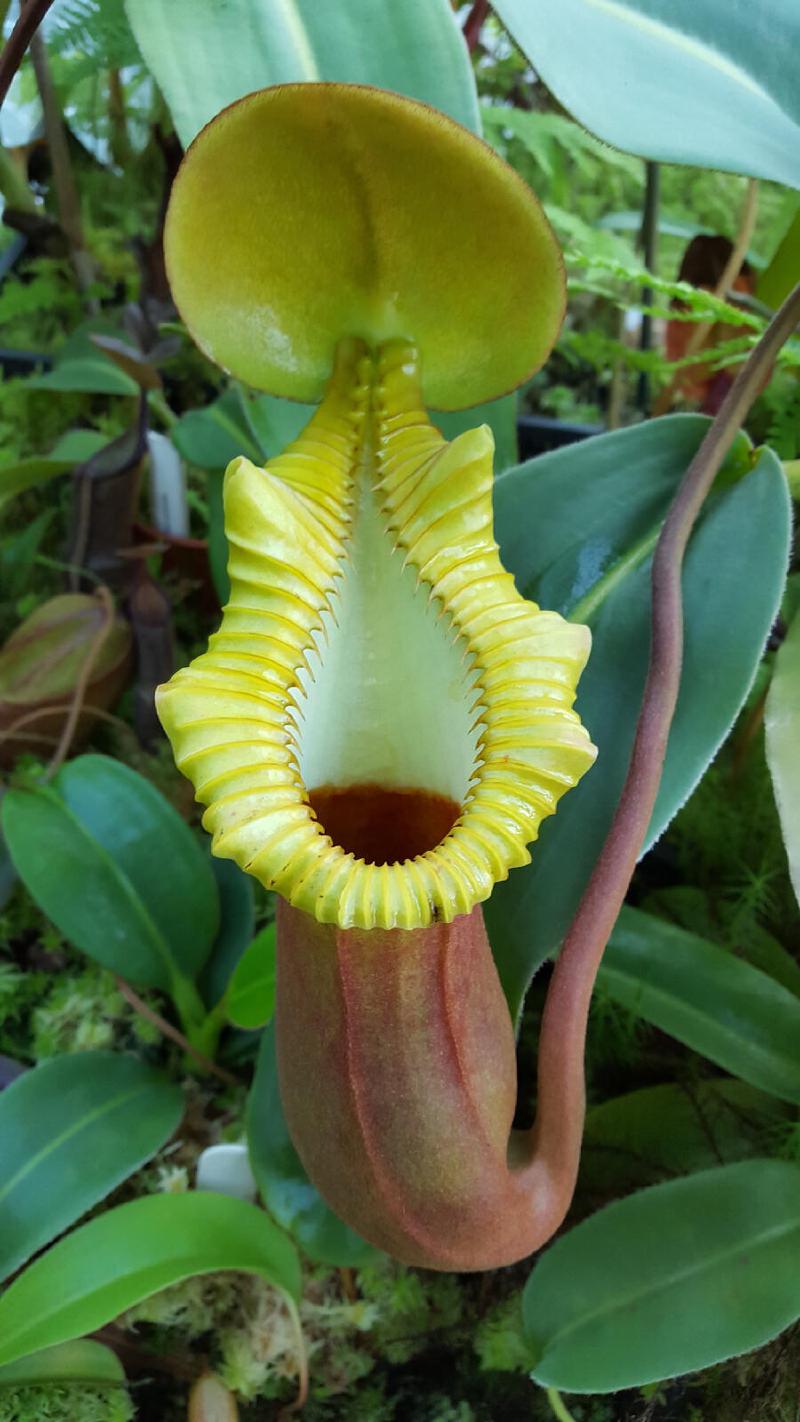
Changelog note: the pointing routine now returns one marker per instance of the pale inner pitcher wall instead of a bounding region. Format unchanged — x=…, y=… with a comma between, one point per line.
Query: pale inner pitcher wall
x=391, y=698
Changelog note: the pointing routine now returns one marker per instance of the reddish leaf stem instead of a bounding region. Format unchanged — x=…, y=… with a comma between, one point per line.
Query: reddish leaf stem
x=474, y=23
x=30, y=17
x=82, y=684
x=167, y=1030
x=563, y=1032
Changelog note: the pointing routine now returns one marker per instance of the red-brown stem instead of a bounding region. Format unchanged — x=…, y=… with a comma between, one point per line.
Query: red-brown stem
x=474, y=23
x=30, y=18
x=81, y=686
x=167, y=1030
x=563, y=1031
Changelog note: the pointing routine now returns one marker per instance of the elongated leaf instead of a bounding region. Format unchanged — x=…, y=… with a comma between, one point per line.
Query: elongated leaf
x=131, y=1252
x=167, y=866
x=251, y=995
x=283, y=1184
x=577, y=528
x=499, y=415
x=236, y=924
x=93, y=375
x=274, y=422
x=78, y=445
x=660, y=1131
x=206, y=56
x=671, y=1279
x=17, y=554
x=82, y=1361
x=715, y=1003
x=782, y=724
x=212, y=437
x=70, y=1131
x=783, y=272
x=27, y=473
x=684, y=81
x=116, y=869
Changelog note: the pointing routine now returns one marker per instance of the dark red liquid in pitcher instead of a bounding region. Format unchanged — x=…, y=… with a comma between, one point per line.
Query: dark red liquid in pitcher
x=383, y=826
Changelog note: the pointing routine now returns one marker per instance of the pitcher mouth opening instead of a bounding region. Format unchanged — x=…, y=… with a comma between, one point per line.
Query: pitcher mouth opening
x=383, y=826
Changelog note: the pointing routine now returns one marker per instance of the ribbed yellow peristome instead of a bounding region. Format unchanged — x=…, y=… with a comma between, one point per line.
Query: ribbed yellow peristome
x=230, y=715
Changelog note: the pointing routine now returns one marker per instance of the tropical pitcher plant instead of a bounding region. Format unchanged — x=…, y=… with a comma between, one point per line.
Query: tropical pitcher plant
x=382, y=722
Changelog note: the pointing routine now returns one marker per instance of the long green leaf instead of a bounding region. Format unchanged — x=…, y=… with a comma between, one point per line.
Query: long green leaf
x=733, y=1013
x=236, y=926
x=93, y=375
x=282, y=1182
x=577, y=528
x=782, y=725
x=27, y=473
x=117, y=870
x=70, y=1131
x=783, y=272
x=684, y=81
x=660, y=1131
x=671, y=1279
x=212, y=437
x=205, y=56
x=131, y=1252
x=250, y=1001
x=83, y=1361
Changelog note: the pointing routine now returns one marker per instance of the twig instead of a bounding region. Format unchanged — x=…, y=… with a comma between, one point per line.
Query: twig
x=559, y=1120
x=76, y=705
x=30, y=18
x=8, y=732
x=699, y=336
x=167, y=1029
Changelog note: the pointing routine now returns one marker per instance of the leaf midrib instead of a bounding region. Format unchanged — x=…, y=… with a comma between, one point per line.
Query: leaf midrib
x=140, y=910
x=769, y=1057
x=57, y=1141
x=679, y=1276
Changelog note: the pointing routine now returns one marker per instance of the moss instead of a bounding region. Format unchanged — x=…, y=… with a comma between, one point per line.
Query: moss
x=499, y=1340
x=85, y=1011
x=65, y=1403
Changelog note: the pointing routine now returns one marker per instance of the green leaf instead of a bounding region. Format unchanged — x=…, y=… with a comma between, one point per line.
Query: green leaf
x=93, y=375
x=131, y=1252
x=73, y=447
x=499, y=415
x=212, y=437
x=78, y=445
x=273, y=422
x=682, y=81
x=251, y=996
x=82, y=1361
x=782, y=725
x=205, y=57
x=698, y=992
x=660, y=1131
x=669, y=1280
x=236, y=925
x=116, y=869
x=70, y=1131
x=577, y=528
x=27, y=473
x=783, y=272
x=282, y=1182
x=17, y=554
